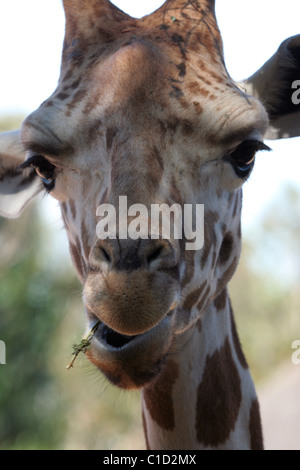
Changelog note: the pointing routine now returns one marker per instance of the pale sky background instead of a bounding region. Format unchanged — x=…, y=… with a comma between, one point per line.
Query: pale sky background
x=31, y=35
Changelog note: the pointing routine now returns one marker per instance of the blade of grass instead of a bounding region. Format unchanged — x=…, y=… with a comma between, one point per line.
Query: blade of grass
x=83, y=345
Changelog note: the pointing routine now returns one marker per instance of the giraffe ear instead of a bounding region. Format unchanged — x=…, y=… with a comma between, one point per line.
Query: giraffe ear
x=277, y=85
x=17, y=186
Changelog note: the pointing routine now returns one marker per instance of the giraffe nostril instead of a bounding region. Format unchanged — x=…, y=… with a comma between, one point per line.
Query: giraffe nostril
x=154, y=254
x=101, y=254
x=105, y=255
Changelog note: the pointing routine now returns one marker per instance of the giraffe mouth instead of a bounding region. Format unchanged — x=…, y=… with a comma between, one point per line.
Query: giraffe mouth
x=117, y=340
x=113, y=338
x=109, y=338
x=130, y=362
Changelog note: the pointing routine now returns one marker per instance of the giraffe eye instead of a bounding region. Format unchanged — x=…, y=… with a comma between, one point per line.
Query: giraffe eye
x=243, y=157
x=43, y=168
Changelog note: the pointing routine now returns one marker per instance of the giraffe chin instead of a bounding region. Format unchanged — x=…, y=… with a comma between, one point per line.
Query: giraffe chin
x=131, y=362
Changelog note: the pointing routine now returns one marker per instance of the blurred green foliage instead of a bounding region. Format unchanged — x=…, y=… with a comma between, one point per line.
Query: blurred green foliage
x=42, y=405
x=31, y=300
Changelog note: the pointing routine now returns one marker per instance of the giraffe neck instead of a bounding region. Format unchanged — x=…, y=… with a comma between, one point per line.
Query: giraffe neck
x=205, y=397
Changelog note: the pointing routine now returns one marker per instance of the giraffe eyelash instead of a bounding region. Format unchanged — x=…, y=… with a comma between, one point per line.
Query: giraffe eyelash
x=44, y=169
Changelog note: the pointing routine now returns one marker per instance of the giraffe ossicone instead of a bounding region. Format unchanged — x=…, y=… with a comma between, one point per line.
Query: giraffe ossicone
x=146, y=109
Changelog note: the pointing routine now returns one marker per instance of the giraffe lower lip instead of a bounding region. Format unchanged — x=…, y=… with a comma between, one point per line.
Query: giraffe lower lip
x=130, y=362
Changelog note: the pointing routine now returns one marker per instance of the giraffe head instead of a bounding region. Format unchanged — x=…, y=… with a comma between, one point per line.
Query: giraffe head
x=143, y=109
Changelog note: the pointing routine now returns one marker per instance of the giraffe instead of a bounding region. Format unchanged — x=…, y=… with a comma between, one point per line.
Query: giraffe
x=146, y=109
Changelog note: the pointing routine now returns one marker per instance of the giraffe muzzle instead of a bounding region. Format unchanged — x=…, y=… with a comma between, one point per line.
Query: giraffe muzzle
x=131, y=290
x=130, y=303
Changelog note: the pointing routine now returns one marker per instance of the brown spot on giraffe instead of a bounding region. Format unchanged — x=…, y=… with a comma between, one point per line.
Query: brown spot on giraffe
x=95, y=130
x=194, y=88
x=236, y=204
x=72, y=206
x=77, y=260
x=255, y=427
x=157, y=156
x=62, y=96
x=226, y=248
x=203, y=302
x=172, y=123
x=222, y=410
x=64, y=215
x=78, y=96
x=158, y=398
x=221, y=300
x=75, y=84
x=85, y=240
x=111, y=133
x=189, y=268
x=175, y=192
x=202, y=65
x=187, y=128
x=204, y=92
x=211, y=218
x=103, y=198
x=154, y=167
x=227, y=275
x=199, y=325
x=193, y=297
x=184, y=103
